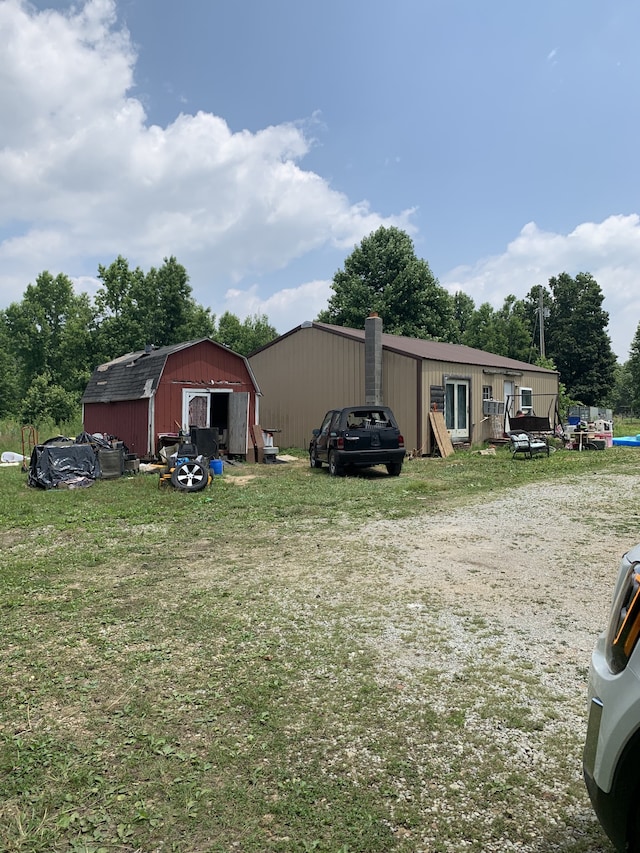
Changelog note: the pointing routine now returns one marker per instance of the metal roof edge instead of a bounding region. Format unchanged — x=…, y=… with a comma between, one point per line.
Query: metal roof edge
x=359, y=336
x=281, y=337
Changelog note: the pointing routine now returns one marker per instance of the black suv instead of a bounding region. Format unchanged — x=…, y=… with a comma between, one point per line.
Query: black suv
x=358, y=436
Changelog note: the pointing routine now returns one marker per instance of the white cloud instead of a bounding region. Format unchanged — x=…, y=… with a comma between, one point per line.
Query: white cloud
x=85, y=176
x=609, y=250
x=285, y=309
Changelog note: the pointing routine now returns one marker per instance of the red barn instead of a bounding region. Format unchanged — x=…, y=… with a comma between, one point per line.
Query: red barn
x=142, y=396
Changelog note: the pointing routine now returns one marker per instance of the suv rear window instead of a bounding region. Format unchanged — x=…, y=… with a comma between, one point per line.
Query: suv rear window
x=367, y=419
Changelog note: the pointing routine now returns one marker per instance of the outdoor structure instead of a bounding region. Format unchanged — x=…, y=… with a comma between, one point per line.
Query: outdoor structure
x=316, y=367
x=145, y=397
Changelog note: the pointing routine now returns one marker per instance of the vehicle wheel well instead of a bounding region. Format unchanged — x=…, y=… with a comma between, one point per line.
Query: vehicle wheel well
x=626, y=788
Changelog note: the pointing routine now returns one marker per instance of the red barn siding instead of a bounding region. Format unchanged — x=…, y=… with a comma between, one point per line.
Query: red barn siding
x=126, y=420
x=206, y=365
x=202, y=365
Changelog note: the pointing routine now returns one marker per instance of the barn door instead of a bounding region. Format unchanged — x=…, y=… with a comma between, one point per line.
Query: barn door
x=196, y=409
x=238, y=423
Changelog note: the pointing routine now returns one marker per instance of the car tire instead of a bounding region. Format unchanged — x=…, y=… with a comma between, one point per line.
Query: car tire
x=335, y=469
x=190, y=476
x=394, y=468
x=314, y=462
x=633, y=840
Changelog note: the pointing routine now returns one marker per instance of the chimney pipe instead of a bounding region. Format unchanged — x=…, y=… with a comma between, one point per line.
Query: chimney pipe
x=373, y=360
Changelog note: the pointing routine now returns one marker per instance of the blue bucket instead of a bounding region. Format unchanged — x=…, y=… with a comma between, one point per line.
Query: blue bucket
x=216, y=466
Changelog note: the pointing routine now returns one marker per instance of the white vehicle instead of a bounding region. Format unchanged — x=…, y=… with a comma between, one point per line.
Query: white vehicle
x=612, y=750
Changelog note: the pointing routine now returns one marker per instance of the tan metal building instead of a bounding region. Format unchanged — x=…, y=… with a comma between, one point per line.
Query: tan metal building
x=316, y=367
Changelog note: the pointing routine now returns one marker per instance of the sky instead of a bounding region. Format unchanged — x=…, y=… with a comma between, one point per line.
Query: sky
x=259, y=141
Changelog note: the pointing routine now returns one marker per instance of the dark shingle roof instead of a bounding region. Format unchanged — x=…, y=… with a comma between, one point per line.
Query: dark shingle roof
x=134, y=376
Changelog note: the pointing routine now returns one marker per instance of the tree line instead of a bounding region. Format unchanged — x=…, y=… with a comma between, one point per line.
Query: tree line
x=384, y=275
x=51, y=341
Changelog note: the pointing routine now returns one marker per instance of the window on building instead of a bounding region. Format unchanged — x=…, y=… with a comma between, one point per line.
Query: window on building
x=487, y=392
x=526, y=401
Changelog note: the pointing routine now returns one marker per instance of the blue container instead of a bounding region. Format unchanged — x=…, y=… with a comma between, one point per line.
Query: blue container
x=627, y=441
x=216, y=466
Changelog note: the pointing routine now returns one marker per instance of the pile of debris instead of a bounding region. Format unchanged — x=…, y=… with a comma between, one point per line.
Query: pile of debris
x=74, y=463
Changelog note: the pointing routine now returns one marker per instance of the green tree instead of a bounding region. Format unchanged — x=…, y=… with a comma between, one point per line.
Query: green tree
x=77, y=348
x=480, y=331
x=50, y=332
x=153, y=308
x=625, y=399
x=45, y=400
x=515, y=329
x=246, y=336
x=576, y=337
x=632, y=370
x=383, y=274
x=119, y=329
x=9, y=393
x=504, y=332
x=463, y=310
x=167, y=311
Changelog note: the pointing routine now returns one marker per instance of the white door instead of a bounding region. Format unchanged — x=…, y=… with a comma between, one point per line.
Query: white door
x=196, y=409
x=509, y=391
x=456, y=408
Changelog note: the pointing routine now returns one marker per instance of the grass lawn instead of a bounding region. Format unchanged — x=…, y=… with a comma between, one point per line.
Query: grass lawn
x=200, y=672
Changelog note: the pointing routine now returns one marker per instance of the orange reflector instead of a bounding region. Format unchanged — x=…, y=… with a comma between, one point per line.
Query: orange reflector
x=630, y=628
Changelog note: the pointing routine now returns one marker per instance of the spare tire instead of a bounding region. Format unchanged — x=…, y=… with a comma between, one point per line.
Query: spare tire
x=190, y=476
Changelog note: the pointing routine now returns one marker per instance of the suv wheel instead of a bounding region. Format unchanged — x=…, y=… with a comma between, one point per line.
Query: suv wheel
x=314, y=462
x=634, y=827
x=335, y=469
x=394, y=469
x=190, y=476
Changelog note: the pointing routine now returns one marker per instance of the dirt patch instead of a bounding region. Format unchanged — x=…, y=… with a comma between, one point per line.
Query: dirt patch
x=242, y=480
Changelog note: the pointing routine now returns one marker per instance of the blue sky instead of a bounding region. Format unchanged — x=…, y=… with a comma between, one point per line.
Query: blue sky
x=259, y=141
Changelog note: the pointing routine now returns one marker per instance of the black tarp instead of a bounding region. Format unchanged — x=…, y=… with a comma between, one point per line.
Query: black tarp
x=75, y=465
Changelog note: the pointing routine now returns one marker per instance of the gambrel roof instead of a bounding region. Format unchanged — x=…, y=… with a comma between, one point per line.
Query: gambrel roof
x=136, y=375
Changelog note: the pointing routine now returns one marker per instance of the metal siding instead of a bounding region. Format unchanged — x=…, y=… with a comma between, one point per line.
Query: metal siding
x=303, y=376
x=126, y=420
x=435, y=372
x=399, y=393
x=426, y=378
x=310, y=371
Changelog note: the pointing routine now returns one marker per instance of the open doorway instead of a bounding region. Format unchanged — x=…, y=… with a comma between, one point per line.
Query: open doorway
x=225, y=411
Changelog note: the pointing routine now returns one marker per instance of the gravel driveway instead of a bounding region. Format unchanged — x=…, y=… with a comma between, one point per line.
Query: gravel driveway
x=544, y=556
x=525, y=580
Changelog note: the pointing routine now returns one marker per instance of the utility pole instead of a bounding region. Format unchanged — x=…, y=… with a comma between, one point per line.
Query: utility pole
x=541, y=314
